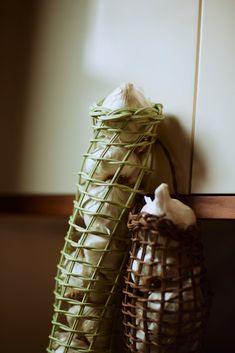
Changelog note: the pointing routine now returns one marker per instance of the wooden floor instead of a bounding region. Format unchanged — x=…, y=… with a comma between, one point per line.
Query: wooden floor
x=30, y=250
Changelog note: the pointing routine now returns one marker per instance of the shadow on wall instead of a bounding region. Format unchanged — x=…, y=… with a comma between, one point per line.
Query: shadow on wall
x=17, y=29
x=178, y=143
x=43, y=72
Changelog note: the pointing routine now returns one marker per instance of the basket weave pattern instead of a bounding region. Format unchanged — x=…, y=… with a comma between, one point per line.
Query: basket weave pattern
x=166, y=297
x=97, y=243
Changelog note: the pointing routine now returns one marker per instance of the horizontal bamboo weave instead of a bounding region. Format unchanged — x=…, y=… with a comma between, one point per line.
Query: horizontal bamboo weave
x=166, y=294
x=88, y=278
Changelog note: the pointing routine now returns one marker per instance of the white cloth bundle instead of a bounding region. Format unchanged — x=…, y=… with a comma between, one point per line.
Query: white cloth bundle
x=90, y=321
x=111, y=258
x=80, y=279
x=110, y=161
x=144, y=265
x=109, y=207
x=172, y=209
x=170, y=314
x=126, y=96
x=76, y=343
x=76, y=279
x=150, y=261
x=108, y=211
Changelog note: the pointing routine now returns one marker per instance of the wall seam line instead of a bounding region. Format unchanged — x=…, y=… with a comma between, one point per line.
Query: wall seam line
x=195, y=91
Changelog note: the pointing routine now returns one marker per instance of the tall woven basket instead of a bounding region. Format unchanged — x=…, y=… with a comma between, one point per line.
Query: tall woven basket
x=97, y=243
x=166, y=294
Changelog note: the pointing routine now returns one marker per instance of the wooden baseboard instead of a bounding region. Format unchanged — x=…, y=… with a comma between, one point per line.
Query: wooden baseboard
x=48, y=205
x=205, y=206
x=212, y=206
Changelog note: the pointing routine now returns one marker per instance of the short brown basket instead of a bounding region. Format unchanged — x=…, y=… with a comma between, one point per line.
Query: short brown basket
x=166, y=294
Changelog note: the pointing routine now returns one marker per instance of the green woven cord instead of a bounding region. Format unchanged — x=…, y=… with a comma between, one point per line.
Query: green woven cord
x=97, y=243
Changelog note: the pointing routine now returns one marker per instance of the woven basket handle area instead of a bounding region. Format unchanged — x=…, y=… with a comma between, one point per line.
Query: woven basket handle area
x=171, y=164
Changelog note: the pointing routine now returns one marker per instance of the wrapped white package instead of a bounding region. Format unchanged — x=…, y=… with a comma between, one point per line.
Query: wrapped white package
x=126, y=95
x=109, y=161
x=109, y=207
x=166, y=305
x=76, y=275
x=76, y=343
x=90, y=320
x=79, y=280
x=111, y=255
x=172, y=209
x=108, y=210
x=148, y=263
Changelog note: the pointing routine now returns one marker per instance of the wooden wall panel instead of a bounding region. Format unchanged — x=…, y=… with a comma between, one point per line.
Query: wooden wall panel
x=213, y=163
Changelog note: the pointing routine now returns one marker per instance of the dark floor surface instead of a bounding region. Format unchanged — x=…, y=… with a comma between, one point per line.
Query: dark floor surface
x=30, y=250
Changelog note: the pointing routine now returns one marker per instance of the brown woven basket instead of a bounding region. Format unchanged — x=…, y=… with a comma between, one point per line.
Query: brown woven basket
x=166, y=294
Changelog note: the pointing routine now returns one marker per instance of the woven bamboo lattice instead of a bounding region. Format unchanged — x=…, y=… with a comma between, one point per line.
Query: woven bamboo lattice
x=166, y=294
x=97, y=243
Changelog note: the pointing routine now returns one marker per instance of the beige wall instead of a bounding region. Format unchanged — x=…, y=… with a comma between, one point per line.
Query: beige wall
x=60, y=56
x=215, y=123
